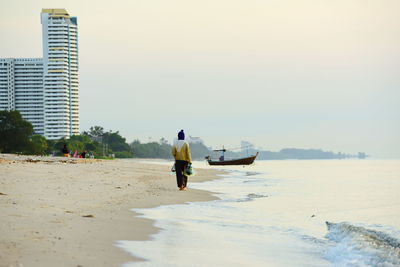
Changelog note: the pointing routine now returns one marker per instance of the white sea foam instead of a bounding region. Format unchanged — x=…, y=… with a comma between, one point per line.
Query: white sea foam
x=360, y=246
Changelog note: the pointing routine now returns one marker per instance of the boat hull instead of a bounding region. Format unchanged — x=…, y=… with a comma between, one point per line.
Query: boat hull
x=241, y=161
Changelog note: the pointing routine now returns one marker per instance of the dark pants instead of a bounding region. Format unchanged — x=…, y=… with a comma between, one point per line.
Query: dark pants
x=180, y=166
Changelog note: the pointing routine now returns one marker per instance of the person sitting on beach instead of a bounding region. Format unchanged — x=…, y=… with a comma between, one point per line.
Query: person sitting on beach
x=181, y=153
x=65, y=151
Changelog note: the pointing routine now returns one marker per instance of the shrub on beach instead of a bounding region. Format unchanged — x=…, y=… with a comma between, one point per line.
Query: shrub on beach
x=15, y=132
x=38, y=145
x=123, y=154
x=151, y=150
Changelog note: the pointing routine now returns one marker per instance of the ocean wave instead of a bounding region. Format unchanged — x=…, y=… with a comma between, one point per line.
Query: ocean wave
x=252, y=173
x=251, y=197
x=359, y=246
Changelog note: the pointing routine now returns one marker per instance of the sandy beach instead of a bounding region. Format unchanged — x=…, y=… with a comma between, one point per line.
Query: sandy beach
x=69, y=212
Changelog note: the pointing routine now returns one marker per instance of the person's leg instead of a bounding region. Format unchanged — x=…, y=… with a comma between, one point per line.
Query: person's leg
x=179, y=173
x=184, y=178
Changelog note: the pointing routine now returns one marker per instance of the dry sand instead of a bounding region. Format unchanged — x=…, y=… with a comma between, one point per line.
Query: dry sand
x=70, y=212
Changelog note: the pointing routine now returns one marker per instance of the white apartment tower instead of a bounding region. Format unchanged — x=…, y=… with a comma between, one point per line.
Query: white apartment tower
x=21, y=88
x=46, y=91
x=60, y=73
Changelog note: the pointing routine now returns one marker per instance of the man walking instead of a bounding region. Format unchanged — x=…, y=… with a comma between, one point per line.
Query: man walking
x=181, y=153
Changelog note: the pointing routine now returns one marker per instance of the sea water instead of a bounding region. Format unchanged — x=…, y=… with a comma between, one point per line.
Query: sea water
x=283, y=213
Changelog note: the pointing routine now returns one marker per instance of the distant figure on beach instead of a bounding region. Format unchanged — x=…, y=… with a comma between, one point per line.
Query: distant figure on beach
x=83, y=154
x=65, y=151
x=181, y=153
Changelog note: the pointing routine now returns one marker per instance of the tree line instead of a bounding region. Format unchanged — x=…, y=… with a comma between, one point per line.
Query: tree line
x=16, y=136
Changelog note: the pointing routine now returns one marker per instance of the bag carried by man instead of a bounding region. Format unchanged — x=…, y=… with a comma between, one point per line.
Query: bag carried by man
x=189, y=170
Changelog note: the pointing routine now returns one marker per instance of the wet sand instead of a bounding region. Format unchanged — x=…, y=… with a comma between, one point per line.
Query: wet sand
x=69, y=212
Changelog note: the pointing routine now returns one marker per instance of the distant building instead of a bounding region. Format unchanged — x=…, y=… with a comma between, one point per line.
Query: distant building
x=245, y=145
x=21, y=88
x=46, y=91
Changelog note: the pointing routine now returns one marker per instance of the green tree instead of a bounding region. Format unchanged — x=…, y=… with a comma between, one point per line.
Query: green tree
x=91, y=146
x=38, y=145
x=116, y=142
x=50, y=146
x=79, y=143
x=15, y=132
x=58, y=146
x=76, y=145
x=95, y=132
x=151, y=150
x=84, y=142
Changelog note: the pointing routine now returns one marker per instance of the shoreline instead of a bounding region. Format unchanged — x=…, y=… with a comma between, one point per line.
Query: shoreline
x=57, y=213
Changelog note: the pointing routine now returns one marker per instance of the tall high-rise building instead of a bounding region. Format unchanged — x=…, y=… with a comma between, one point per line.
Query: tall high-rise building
x=60, y=73
x=46, y=91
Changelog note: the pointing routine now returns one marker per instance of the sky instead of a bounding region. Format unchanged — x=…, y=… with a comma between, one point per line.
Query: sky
x=278, y=73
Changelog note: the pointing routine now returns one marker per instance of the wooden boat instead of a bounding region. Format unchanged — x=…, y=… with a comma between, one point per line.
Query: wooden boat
x=239, y=161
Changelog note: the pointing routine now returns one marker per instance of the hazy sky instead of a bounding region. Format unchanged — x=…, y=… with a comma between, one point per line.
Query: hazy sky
x=278, y=73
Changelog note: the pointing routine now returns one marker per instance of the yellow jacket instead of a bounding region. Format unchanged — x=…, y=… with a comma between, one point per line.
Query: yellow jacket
x=181, y=151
